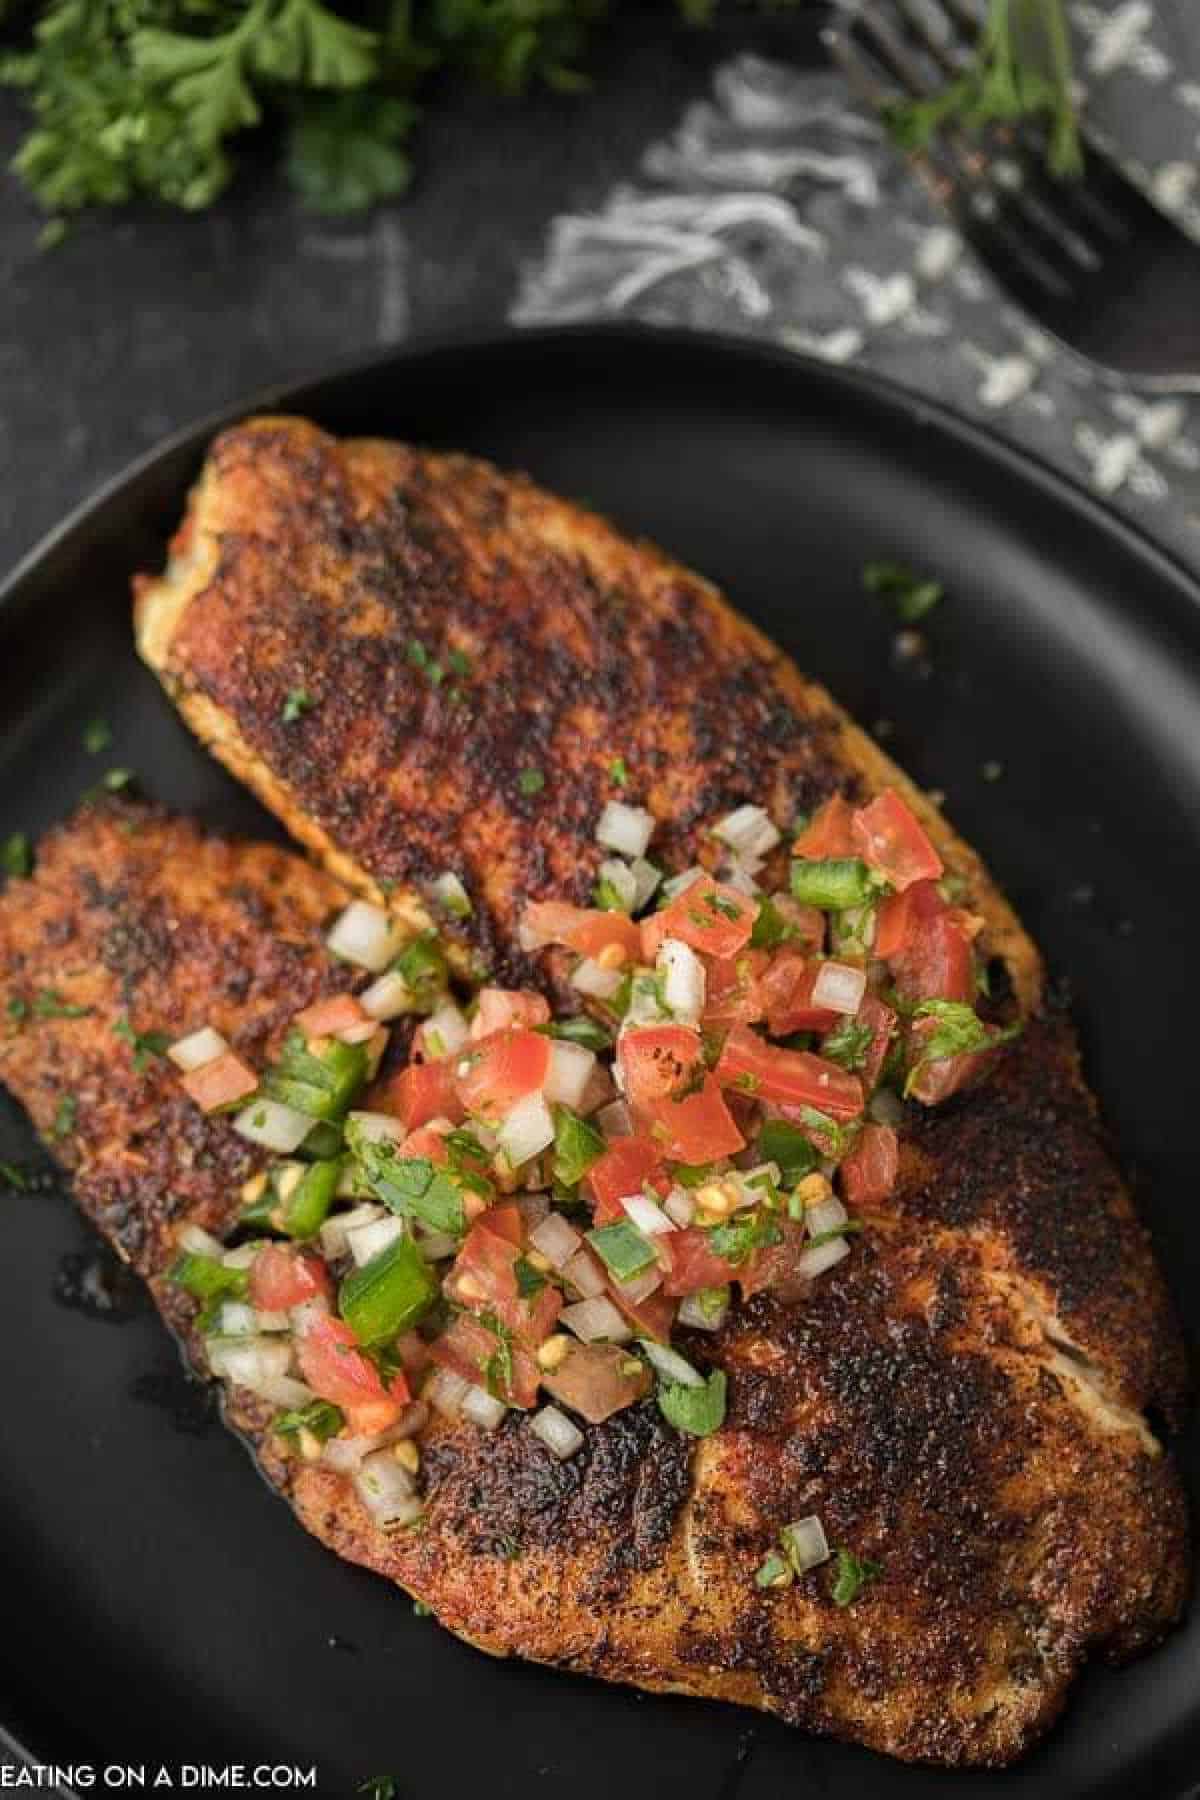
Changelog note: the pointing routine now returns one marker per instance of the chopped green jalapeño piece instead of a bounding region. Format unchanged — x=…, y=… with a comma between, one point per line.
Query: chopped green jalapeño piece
x=422, y=965
x=833, y=884
x=622, y=1249
x=206, y=1278
x=322, y=1084
x=697, y=1410
x=388, y=1294
x=320, y=1417
x=579, y=1030
x=853, y=1574
x=304, y=1212
x=577, y=1145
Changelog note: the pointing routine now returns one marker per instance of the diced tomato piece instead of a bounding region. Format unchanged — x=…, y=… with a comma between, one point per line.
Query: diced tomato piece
x=869, y=1172
x=936, y=961
x=624, y=1168
x=787, y=991
x=693, y=1265
x=710, y=916
x=413, y=1352
x=427, y=1143
x=499, y=1007
x=658, y=1062
x=896, y=921
x=776, y=1265
x=806, y=924
x=282, y=1277
x=944, y=1075
x=595, y=1381
x=421, y=1092
x=503, y=1069
x=882, y=1021
x=468, y=1347
x=827, y=832
x=889, y=836
x=329, y=1017
x=795, y=1077
x=222, y=1082
x=733, y=995
x=484, y=1277
x=652, y=1317
x=699, y=1128
x=336, y=1369
x=588, y=930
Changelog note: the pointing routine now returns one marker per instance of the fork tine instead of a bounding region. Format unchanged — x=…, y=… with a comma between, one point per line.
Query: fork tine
x=974, y=202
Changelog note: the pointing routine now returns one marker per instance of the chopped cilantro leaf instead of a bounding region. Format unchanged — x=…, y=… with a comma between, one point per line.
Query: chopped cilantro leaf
x=298, y=702
x=13, y=1177
x=852, y=1575
x=116, y=779
x=49, y=1004
x=531, y=781
x=785, y=1144
x=16, y=857
x=618, y=771
x=579, y=1030
x=960, y=1032
x=738, y=1238
x=144, y=1044
x=911, y=595
x=847, y=1044
x=699, y=1411
x=530, y=1281
x=64, y=1116
x=96, y=736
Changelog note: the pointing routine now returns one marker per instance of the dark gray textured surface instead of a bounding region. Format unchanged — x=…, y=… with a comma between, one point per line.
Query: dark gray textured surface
x=145, y=319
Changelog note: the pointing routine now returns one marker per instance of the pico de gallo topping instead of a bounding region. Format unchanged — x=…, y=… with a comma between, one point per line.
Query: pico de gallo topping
x=542, y=1214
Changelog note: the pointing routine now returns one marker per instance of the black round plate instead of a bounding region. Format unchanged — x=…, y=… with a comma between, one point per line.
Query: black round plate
x=160, y=1600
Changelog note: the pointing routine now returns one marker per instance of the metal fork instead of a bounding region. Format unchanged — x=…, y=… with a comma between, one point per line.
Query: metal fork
x=1095, y=263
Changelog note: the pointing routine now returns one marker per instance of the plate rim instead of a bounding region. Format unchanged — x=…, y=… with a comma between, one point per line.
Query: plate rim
x=1019, y=463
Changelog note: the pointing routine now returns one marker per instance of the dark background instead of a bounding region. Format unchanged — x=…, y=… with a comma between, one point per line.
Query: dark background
x=146, y=318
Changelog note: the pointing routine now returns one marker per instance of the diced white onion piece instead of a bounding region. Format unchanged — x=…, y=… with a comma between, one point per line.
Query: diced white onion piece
x=482, y=1408
x=350, y=1183
x=237, y=1319
x=646, y=1215
x=645, y=1002
x=366, y=1241
x=377, y=1127
x=571, y=1067
x=645, y=880
x=526, y=1130
x=680, y=1207
x=198, y=1242
x=368, y=1032
x=596, y=1320
x=335, y=1231
x=748, y=831
x=345, y=1453
x=445, y=1391
x=885, y=1107
x=272, y=1321
x=826, y=1215
x=450, y=894
x=814, y=1262
x=557, y=1240
x=625, y=829
x=640, y=1287
x=273, y=1125
x=198, y=1048
x=365, y=935
x=560, y=1436
x=305, y=1315
x=589, y=978
x=285, y=1390
x=445, y=1032
x=840, y=987
x=670, y=1365
x=250, y=1362
x=806, y=1543
x=694, y=1312
x=676, y=884
x=242, y=1257
x=621, y=879
x=435, y=1245
x=583, y=1271
x=740, y=878
x=533, y=1209
x=388, y=996
x=386, y=1489
x=615, y=1119
x=683, y=979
